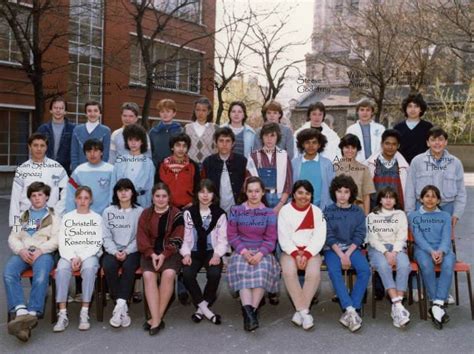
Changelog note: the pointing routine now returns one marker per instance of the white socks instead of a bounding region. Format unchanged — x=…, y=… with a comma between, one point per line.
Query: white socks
x=205, y=310
x=21, y=312
x=350, y=309
x=397, y=302
x=84, y=310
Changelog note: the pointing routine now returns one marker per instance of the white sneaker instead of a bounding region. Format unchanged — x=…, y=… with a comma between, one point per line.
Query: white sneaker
x=355, y=322
x=62, y=323
x=308, y=321
x=116, y=319
x=297, y=319
x=451, y=300
x=345, y=318
x=400, y=316
x=84, y=324
x=125, y=319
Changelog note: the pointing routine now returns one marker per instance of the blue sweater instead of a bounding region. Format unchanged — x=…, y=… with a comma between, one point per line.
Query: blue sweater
x=98, y=178
x=431, y=230
x=327, y=175
x=345, y=226
x=64, y=152
x=80, y=135
x=160, y=136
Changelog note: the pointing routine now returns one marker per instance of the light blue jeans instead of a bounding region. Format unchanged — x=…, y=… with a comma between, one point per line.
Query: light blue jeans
x=89, y=268
x=379, y=262
x=438, y=288
x=12, y=280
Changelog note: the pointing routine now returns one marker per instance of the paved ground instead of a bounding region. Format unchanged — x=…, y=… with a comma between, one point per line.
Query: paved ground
x=276, y=335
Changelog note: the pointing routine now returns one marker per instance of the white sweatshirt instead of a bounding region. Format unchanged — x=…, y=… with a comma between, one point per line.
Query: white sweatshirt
x=49, y=172
x=80, y=235
x=388, y=226
x=294, y=234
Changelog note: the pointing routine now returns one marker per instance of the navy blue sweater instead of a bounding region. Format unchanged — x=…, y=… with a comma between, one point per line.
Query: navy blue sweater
x=345, y=226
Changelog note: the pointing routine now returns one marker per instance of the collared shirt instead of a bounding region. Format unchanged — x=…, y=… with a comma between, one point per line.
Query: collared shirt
x=226, y=194
x=387, y=163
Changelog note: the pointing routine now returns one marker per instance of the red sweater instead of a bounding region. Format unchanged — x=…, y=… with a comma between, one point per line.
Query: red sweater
x=182, y=180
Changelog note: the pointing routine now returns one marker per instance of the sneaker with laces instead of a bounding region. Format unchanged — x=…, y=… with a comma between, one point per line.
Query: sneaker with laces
x=451, y=300
x=355, y=322
x=400, y=316
x=116, y=320
x=62, y=323
x=345, y=319
x=84, y=323
x=125, y=319
x=297, y=319
x=308, y=321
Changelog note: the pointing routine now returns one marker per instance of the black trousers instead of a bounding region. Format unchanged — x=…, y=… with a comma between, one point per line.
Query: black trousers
x=121, y=286
x=213, y=274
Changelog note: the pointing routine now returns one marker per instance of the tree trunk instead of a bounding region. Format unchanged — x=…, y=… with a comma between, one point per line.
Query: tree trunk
x=39, y=102
x=150, y=86
x=220, y=105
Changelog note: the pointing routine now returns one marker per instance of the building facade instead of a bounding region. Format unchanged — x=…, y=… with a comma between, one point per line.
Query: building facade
x=100, y=60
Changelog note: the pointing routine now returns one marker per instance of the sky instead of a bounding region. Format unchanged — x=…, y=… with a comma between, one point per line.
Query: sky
x=300, y=24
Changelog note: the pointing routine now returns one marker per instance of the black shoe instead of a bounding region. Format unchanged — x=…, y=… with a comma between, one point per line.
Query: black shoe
x=197, y=317
x=137, y=297
x=154, y=330
x=436, y=323
x=183, y=298
x=250, y=318
x=146, y=326
x=335, y=299
x=273, y=299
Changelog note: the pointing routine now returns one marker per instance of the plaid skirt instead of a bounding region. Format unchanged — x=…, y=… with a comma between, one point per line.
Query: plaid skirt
x=241, y=275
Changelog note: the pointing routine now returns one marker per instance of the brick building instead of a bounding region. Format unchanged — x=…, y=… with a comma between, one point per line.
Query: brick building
x=100, y=60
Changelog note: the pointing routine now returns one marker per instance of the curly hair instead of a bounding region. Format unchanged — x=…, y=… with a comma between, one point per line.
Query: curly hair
x=417, y=99
x=308, y=134
x=343, y=181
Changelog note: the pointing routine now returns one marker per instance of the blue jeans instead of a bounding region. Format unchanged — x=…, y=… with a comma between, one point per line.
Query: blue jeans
x=379, y=262
x=361, y=266
x=12, y=280
x=272, y=199
x=438, y=288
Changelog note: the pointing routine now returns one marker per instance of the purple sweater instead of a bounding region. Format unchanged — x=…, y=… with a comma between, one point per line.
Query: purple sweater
x=252, y=228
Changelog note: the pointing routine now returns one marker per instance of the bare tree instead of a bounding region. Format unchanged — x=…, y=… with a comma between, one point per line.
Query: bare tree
x=230, y=52
x=271, y=43
x=34, y=40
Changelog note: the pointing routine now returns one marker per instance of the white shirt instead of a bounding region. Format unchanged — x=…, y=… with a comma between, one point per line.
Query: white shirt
x=91, y=126
x=199, y=128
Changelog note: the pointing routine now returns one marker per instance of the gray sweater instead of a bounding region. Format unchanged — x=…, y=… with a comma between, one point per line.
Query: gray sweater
x=120, y=229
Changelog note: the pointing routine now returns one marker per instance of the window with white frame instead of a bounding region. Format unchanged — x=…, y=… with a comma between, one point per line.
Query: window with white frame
x=178, y=68
x=85, y=55
x=9, y=51
x=14, y=133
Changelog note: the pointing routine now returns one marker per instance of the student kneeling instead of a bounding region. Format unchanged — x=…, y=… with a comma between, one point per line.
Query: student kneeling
x=33, y=241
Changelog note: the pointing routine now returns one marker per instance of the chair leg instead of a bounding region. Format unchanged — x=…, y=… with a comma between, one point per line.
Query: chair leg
x=145, y=303
x=53, y=301
x=425, y=301
x=469, y=288
x=373, y=294
x=456, y=288
x=99, y=294
x=421, y=306
x=410, y=289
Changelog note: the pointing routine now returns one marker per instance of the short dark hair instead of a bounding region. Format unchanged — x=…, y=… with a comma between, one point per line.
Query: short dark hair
x=125, y=183
x=305, y=184
x=243, y=194
x=269, y=128
x=343, y=181
x=131, y=106
x=391, y=133
x=37, y=136
x=205, y=101
x=350, y=140
x=92, y=144
x=160, y=186
x=416, y=98
x=436, y=132
x=180, y=137
x=211, y=187
x=272, y=106
x=93, y=103
x=135, y=131
x=38, y=187
x=383, y=193
x=83, y=189
x=316, y=106
x=428, y=188
x=365, y=102
x=308, y=134
x=241, y=105
x=58, y=99
x=224, y=131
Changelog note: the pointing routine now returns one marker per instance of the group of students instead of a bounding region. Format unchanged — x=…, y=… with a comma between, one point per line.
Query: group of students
x=175, y=200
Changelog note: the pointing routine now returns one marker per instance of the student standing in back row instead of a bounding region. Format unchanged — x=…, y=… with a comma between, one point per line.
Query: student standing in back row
x=244, y=134
x=92, y=129
x=368, y=132
x=201, y=131
x=59, y=133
